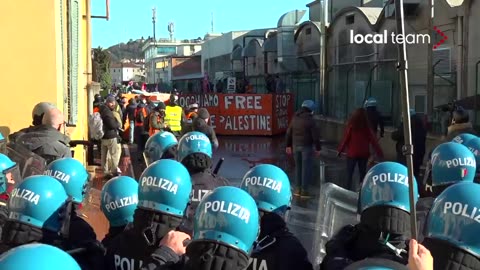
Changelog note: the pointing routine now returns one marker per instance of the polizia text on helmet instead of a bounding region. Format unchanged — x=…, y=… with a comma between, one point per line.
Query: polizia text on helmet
x=230, y=208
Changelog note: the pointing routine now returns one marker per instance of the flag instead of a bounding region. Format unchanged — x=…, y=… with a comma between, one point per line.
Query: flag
x=464, y=172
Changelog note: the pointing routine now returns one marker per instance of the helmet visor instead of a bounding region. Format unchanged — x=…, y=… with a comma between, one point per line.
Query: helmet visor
x=14, y=177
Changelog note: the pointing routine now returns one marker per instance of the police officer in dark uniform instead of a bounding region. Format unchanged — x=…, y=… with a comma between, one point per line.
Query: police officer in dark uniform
x=384, y=224
x=162, y=145
x=40, y=257
x=276, y=248
x=374, y=117
x=37, y=213
x=74, y=178
x=119, y=200
x=223, y=239
x=9, y=173
x=163, y=195
x=451, y=163
x=452, y=228
x=195, y=153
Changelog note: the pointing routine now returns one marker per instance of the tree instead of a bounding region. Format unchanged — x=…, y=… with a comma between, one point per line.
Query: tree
x=101, y=67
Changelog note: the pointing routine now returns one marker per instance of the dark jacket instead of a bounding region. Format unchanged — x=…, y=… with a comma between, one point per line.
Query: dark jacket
x=82, y=235
x=201, y=126
x=203, y=183
x=376, y=120
x=110, y=123
x=46, y=142
x=423, y=207
x=356, y=243
x=130, y=112
x=457, y=129
x=419, y=137
x=303, y=132
x=278, y=248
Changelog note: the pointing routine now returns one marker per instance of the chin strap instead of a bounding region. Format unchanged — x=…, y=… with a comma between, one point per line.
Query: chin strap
x=384, y=241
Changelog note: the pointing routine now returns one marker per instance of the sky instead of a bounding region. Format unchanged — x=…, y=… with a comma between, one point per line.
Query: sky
x=132, y=19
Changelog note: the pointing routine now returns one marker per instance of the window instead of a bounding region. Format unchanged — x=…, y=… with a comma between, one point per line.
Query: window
x=350, y=19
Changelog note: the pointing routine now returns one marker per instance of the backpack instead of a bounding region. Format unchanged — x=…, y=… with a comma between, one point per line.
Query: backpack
x=139, y=117
x=146, y=124
x=95, y=126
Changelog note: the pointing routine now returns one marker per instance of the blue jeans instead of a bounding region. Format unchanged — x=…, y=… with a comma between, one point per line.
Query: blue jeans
x=132, y=129
x=303, y=157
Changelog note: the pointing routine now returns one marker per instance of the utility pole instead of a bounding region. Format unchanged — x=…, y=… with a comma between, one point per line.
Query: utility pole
x=408, y=147
x=154, y=16
x=430, y=68
x=212, y=22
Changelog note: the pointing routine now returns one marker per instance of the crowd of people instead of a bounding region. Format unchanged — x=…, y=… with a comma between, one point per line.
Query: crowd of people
x=138, y=119
x=179, y=214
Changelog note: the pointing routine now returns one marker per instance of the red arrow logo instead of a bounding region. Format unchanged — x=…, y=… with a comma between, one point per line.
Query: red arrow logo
x=444, y=37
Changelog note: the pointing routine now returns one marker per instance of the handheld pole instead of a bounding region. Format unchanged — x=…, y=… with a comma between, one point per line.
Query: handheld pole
x=408, y=147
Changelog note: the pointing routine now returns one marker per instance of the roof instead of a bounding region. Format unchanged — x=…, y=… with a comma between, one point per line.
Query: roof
x=124, y=65
x=313, y=3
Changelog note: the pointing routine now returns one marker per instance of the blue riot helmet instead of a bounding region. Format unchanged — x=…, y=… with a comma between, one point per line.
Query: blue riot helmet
x=370, y=102
x=165, y=186
x=227, y=215
x=376, y=264
x=194, y=142
x=309, y=104
x=269, y=186
x=474, y=146
x=72, y=175
x=451, y=163
x=463, y=138
x=2, y=144
x=386, y=184
x=37, y=256
x=38, y=201
x=119, y=200
x=6, y=166
x=454, y=217
x=157, y=146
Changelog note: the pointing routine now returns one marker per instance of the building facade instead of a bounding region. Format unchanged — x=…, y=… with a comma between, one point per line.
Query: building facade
x=60, y=73
x=125, y=72
x=158, y=54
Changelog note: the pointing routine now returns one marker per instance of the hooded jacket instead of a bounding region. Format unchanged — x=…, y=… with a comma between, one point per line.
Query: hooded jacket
x=46, y=142
x=303, y=132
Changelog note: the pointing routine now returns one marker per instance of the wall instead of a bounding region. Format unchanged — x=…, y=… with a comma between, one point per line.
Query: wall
x=31, y=77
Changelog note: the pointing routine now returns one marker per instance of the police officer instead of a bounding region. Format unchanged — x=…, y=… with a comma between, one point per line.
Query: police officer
x=451, y=163
x=474, y=146
x=8, y=175
x=38, y=213
x=226, y=226
x=37, y=256
x=463, y=138
x=276, y=248
x=174, y=115
x=162, y=145
x=195, y=153
x=74, y=178
x=384, y=220
x=452, y=228
x=119, y=200
x=163, y=194
x=374, y=116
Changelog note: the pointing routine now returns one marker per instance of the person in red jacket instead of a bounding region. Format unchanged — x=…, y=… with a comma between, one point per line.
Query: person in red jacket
x=357, y=140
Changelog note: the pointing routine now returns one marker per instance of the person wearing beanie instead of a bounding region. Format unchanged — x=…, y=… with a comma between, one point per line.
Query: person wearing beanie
x=157, y=119
x=201, y=124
